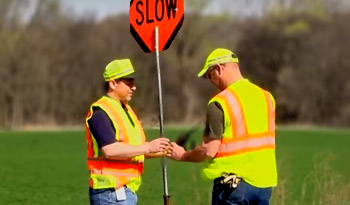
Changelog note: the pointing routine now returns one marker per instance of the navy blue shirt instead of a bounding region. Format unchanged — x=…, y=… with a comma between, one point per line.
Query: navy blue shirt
x=101, y=128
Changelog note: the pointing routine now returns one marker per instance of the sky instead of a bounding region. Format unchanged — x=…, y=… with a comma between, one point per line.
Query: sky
x=100, y=8
x=103, y=8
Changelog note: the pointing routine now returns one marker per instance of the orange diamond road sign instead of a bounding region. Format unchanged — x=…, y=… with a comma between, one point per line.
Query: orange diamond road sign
x=145, y=15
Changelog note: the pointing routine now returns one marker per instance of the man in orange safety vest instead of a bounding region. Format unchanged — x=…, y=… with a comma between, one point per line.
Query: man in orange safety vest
x=116, y=140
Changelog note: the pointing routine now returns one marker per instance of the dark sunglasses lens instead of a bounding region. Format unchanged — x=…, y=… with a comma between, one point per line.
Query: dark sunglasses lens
x=209, y=71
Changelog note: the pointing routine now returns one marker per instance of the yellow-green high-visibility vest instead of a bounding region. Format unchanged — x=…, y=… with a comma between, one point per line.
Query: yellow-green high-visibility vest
x=247, y=146
x=113, y=173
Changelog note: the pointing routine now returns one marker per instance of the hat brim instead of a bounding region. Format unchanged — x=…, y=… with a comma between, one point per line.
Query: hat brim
x=131, y=75
x=203, y=71
x=207, y=66
x=124, y=75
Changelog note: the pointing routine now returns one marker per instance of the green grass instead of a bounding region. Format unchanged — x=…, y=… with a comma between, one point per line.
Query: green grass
x=305, y=156
x=50, y=168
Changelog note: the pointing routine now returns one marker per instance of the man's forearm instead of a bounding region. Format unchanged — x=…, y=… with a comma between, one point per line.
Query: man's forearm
x=207, y=149
x=198, y=154
x=121, y=150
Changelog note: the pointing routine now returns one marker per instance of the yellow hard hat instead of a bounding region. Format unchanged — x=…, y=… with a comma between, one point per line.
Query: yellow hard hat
x=118, y=69
x=218, y=56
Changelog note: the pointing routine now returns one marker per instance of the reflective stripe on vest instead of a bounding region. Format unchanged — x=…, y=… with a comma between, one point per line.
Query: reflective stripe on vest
x=138, y=123
x=124, y=168
x=242, y=141
x=108, y=173
x=108, y=108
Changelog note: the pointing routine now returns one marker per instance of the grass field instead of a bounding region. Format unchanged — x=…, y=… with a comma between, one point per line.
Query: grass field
x=50, y=168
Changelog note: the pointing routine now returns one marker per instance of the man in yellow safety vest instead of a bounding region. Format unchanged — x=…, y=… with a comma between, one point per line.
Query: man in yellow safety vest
x=239, y=139
x=116, y=140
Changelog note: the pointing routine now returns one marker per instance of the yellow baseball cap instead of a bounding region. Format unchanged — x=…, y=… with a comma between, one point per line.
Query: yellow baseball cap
x=218, y=56
x=118, y=69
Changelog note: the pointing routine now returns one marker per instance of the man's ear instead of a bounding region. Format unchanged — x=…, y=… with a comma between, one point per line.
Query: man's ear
x=112, y=84
x=221, y=67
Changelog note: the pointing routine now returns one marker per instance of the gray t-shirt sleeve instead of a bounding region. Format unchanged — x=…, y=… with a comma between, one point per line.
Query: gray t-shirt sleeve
x=214, y=127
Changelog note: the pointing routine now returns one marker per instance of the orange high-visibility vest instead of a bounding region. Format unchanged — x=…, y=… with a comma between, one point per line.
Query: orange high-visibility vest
x=113, y=173
x=250, y=155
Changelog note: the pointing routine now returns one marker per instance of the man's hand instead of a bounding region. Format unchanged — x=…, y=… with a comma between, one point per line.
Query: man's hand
x=158, y=145
x=177, y=152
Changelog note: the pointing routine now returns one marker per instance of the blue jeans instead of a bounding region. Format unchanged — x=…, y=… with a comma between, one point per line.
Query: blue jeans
x=244, y=194
x=109, y=197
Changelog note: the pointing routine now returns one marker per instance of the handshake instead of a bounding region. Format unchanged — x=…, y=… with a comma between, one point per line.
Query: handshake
x=163, y=147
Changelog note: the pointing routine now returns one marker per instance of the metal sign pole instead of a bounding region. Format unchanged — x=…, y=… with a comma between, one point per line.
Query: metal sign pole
x=161, y=128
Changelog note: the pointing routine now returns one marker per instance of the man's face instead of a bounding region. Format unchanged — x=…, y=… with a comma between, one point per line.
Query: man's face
x=124, y=88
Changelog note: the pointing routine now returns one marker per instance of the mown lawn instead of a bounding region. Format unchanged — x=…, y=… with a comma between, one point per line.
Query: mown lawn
x=50, y=168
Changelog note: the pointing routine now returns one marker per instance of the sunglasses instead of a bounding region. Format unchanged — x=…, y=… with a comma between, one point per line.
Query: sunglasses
x=127, y=81
x=212, y=68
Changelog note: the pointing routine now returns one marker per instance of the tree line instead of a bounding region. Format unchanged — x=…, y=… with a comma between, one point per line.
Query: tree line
x=51, y=62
